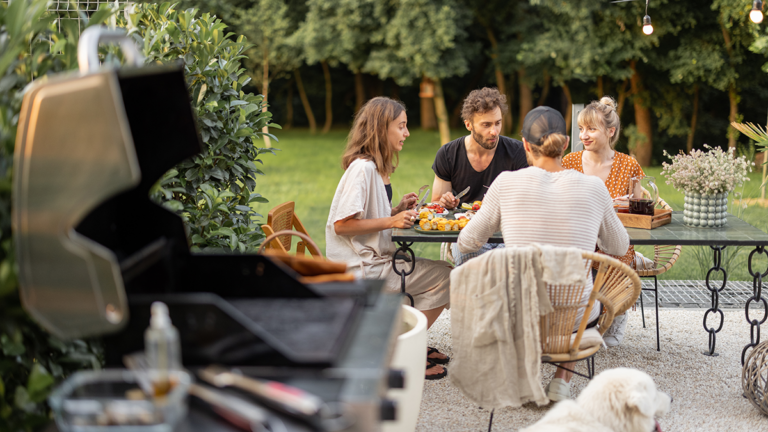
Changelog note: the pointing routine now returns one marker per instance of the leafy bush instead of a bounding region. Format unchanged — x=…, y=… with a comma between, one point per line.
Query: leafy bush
x=211, y=191
x=31, y=361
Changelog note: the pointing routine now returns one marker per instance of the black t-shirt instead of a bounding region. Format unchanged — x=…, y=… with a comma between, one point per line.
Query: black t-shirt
x=451, y=164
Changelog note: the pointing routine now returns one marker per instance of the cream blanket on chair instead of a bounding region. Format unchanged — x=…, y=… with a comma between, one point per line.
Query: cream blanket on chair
x=496, y=305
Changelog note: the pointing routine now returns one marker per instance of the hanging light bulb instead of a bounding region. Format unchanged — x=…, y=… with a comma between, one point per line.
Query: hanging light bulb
x=647, y=27
x=756, y=15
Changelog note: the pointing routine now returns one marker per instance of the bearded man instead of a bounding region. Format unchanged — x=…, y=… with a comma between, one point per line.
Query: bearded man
x=476, y=159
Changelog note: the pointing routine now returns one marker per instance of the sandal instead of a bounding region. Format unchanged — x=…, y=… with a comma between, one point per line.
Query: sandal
x=438, y=376
x=437, y=360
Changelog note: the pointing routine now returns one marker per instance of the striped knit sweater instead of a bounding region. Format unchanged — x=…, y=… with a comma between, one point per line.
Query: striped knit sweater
x=566, y=208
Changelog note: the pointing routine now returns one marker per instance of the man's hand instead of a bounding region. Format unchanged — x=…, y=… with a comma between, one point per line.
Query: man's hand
x=449, y=201
x=407, y=202
x=404, y=219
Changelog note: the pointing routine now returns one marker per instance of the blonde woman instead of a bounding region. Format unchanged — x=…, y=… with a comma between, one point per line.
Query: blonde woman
x=359, y=227
x=599, y=128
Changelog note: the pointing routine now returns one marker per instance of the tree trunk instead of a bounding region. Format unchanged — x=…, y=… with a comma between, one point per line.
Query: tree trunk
x=506, y=122
x=545, y=89
x=569, y=108
x=305, y=102
x=733, y=97
x=265, y=88
x=395, y=92
x=455, y=122
x=644, y=147
x=694, y=117
x=442, y=113
x=526, y=97
x=289, y=107
x=600, y=92
x=622, y=97
x=428, y=120
x=512, y=84
x=359, y=91
x=328, y=95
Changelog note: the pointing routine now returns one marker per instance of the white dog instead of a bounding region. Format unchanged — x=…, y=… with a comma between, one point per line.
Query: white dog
x=617, y=400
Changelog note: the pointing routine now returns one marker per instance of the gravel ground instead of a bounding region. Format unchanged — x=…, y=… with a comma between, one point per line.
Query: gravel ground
x=706, y=390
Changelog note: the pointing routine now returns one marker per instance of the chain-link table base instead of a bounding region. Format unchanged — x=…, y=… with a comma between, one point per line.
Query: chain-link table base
x=757, y=296
x=404, y=247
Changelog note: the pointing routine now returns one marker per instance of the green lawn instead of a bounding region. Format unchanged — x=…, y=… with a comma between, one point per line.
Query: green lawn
x=307, y=170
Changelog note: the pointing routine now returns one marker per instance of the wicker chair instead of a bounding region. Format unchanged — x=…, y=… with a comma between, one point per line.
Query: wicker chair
x=616, y=286
x=281, y=218
x=664, y=257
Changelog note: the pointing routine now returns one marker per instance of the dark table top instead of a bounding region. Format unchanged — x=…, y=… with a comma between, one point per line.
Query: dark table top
x=735, y=233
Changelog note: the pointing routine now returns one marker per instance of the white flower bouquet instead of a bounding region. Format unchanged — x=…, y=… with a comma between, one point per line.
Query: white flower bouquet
x=706, y=173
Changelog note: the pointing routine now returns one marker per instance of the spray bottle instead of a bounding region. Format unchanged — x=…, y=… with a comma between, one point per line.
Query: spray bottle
x=161, y=343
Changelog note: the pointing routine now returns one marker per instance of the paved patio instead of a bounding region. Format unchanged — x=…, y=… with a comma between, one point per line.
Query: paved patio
x=707, y=390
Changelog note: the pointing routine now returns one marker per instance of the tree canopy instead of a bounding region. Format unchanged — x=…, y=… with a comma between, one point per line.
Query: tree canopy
x=703, y=67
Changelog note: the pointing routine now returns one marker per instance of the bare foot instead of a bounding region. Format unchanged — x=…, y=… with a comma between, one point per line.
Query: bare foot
x=436, y=356
x=435, y=370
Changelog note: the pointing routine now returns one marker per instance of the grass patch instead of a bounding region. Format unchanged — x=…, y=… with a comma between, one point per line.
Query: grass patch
x=308, y=168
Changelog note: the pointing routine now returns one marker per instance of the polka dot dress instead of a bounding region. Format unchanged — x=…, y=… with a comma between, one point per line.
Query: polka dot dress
x=624, y=167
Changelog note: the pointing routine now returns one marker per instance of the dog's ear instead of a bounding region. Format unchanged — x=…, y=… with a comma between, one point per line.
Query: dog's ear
x=641, y=398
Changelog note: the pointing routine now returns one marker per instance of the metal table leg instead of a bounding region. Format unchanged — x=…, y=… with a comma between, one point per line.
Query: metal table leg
x=718, y=250
x=757, y=296
x=405, y=247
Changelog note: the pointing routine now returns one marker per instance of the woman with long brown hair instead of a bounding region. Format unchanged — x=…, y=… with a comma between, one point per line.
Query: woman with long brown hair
x=359, y=227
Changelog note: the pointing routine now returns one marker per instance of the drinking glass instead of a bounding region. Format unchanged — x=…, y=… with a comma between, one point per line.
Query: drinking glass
x=643, y=195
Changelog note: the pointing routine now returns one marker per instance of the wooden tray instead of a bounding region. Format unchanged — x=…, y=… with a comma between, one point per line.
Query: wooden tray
x=660, y=217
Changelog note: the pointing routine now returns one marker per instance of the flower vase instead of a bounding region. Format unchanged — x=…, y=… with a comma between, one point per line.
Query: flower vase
x=705, y=211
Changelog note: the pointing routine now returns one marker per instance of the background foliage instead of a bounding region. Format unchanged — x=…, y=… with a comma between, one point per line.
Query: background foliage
x=677, y=88
x=211, y=191
x=31, y=360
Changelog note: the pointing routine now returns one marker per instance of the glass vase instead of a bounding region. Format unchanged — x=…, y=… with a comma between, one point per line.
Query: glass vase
x=705, y=211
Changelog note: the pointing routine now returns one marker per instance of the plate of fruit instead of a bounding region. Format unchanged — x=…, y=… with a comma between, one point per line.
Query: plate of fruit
x=435, y=209
x=475, y=206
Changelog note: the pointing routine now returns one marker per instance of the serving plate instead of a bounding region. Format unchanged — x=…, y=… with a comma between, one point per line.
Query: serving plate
x=434, y=232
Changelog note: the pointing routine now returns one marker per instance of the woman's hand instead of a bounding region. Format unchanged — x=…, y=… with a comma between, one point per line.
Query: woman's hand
x=404, y=219
x=408, y=201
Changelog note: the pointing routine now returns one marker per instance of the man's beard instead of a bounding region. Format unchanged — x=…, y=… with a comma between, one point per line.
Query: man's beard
x=480, y=140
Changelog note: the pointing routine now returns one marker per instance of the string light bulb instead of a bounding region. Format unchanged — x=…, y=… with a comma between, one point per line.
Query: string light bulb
x=756, y=15
x=647, y=27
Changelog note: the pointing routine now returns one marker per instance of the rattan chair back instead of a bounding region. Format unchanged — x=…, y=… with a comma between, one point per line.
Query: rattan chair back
x=283, y=218
x=616, y=287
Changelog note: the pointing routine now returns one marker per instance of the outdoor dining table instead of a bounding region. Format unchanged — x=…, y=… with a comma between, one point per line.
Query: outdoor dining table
x=735, y=233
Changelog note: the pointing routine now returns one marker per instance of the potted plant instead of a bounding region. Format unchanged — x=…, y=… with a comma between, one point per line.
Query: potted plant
x=706, y=178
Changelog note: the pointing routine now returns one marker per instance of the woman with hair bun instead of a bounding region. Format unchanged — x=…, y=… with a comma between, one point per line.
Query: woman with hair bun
x=599, y=128
x=548, y=204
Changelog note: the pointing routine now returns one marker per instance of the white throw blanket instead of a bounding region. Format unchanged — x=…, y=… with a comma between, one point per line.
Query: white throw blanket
x=497, y=301
x=562, y=266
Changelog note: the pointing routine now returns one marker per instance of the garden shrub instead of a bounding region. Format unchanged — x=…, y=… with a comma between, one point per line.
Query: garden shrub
x=31, y=360
x=211, y=191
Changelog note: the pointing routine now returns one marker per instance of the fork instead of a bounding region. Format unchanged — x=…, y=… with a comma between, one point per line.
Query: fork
x=421, y=189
